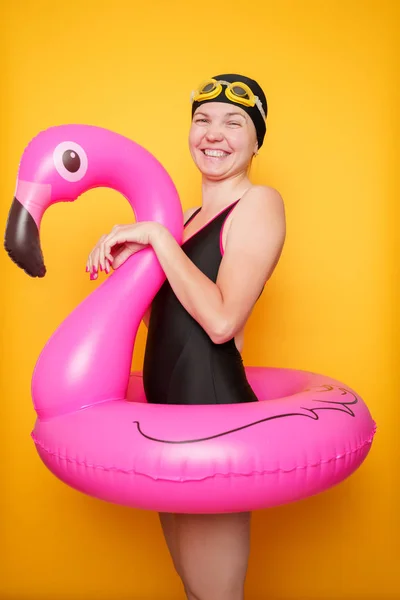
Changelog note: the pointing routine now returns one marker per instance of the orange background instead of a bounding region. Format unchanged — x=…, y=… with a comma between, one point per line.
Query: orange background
x=329, y=72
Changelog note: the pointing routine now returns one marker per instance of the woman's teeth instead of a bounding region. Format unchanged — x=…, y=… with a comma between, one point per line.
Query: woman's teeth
x=216, y=153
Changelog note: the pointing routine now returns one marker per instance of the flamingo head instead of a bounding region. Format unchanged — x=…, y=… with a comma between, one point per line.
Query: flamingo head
x=59, y=164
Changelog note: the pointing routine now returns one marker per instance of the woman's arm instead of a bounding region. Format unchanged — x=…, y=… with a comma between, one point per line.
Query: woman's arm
x=253, y=247
x=188, y=213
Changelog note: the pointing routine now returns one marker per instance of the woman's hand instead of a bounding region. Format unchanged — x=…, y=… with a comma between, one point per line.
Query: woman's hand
x=116, y=247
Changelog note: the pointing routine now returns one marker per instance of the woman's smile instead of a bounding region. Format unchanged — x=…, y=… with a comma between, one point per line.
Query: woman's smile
x=215, y=154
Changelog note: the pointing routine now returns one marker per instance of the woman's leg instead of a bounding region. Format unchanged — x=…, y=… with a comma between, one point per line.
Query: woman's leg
x=169, y=527
x=213, y=553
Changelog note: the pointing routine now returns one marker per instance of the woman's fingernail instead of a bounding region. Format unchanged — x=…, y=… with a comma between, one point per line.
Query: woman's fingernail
x=94, y=269
x=87, y=269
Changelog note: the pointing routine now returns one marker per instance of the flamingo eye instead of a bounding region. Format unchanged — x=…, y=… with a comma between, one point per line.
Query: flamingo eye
x=70, y=161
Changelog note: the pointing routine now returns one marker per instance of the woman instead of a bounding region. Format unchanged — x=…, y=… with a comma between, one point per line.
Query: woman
x=231, y=245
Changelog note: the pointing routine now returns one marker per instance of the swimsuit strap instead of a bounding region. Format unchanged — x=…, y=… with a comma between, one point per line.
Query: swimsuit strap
x=217, y=215
x=193, y=215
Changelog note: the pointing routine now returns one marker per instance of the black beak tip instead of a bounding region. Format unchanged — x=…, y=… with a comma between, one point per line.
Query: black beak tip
x=21, y=241
x=33, y=270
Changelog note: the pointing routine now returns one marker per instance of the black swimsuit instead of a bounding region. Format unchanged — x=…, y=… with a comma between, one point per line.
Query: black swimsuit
x=182, y=365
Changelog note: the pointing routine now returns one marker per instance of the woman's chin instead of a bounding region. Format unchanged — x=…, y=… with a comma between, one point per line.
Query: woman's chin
x=214, y=174
x=218, y=169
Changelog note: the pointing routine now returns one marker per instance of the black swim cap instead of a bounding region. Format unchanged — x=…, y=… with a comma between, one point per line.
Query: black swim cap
x=252, y=111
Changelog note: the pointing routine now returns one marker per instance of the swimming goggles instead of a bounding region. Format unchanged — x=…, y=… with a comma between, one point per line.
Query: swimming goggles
x=237, y=92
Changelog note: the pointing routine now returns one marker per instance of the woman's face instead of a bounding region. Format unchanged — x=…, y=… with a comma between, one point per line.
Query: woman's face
x=222, y=139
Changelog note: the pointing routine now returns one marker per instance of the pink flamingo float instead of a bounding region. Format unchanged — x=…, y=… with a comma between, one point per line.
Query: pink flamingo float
x=94, y=429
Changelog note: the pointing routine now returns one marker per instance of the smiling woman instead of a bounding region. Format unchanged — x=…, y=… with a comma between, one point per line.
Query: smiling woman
x=231, y=245
x=230, y=248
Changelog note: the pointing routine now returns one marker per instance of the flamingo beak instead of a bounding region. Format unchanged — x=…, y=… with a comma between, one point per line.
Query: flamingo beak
x=22, y=240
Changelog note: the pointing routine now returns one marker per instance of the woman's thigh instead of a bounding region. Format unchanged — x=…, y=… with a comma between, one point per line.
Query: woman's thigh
x=213, y=554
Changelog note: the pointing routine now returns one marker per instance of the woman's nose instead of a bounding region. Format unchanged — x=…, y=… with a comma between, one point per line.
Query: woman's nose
x=214, y=133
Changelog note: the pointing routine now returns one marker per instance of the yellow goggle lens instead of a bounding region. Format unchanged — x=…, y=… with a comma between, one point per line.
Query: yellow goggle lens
x=207, y=90
x=240, y=93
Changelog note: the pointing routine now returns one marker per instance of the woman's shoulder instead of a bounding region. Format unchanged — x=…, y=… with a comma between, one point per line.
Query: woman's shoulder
x=260, y=214
x=261, y=201
x=262, y=192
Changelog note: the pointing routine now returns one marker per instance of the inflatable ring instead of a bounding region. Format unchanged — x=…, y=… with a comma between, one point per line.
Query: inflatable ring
x=94, y=429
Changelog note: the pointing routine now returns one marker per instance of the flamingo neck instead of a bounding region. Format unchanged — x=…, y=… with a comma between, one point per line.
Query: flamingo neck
x=88, y=359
